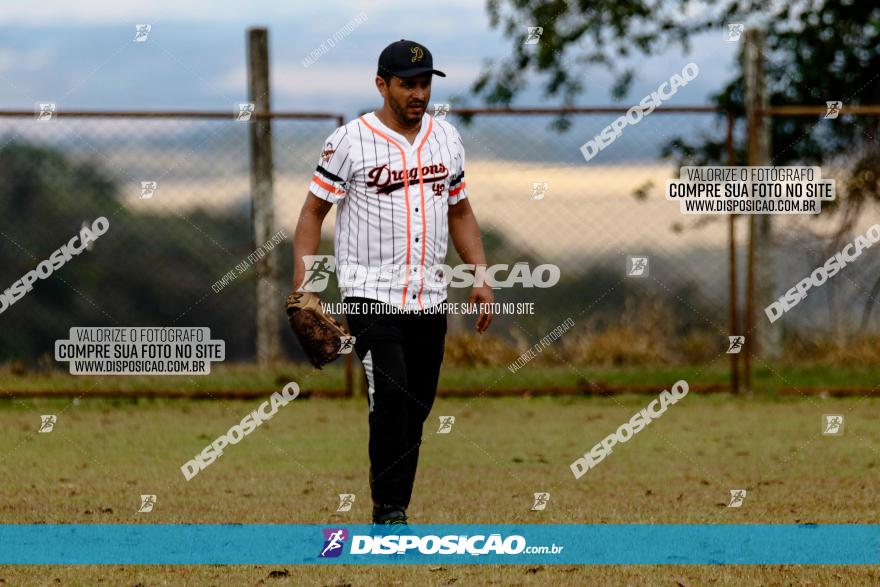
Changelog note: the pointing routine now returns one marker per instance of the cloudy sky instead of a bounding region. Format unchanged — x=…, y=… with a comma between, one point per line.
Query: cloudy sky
x=81, y=55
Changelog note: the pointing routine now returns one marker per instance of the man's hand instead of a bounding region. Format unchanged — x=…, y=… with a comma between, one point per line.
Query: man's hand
x=321, y=337
x=303, y=299
x=483, y=294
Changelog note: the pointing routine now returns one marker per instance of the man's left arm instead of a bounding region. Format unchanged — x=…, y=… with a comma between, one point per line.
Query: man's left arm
x=465, y=233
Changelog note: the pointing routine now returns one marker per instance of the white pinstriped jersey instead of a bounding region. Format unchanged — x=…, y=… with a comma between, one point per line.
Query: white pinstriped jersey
x=392, y=202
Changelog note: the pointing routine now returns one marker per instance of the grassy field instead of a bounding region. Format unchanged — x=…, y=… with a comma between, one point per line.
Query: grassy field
x=104, y=453
x=251, y=378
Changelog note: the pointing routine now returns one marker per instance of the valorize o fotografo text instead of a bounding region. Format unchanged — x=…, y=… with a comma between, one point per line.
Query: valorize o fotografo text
x=750, y=190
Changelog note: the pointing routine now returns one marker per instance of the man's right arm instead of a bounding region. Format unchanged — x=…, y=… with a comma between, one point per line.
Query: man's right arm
x=328, y=186
x=307, y=236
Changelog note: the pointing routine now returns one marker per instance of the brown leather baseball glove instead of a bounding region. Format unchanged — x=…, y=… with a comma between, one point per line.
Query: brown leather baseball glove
x=321, y=337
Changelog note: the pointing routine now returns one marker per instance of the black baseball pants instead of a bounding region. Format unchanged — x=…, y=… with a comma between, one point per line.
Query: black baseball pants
x=401, y=355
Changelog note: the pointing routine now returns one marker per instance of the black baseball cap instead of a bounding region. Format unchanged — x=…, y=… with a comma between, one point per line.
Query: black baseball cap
x=406, y=59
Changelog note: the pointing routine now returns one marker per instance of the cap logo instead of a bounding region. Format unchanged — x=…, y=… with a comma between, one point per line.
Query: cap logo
x=417, y=53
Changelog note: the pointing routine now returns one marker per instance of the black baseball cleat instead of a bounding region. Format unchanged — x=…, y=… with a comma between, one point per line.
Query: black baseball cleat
x=389, y=516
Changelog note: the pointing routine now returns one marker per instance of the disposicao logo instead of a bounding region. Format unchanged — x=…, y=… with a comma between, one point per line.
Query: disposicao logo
x=334, y=540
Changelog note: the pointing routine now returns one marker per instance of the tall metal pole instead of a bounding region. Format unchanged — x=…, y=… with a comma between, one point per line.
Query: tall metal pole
x=268, y=307
x=760, y=273
x=733, y=324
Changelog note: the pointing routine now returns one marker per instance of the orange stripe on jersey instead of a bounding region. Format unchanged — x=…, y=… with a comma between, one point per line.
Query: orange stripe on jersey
x=454, y=191
x=406, y=195
x=327, y=186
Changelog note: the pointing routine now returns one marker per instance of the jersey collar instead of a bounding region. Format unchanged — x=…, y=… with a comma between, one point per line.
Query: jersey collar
x=404, y=142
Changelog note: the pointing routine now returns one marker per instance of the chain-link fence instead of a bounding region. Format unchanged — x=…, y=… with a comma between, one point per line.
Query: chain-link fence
x=177, y=194
x=836, y=321
x=539, y=202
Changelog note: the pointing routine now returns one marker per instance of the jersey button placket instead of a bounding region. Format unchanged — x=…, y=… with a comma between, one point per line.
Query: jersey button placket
x=411, y=156
x=414, y=151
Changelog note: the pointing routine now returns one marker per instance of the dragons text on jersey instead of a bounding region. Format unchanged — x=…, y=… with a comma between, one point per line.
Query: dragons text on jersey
x=393, y=197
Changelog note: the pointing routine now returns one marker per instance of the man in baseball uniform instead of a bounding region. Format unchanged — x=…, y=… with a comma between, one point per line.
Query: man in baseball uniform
x=397, y=178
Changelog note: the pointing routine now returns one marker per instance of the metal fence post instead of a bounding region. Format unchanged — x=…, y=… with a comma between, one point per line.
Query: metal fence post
x=268, y=303
x=760, y=273
x=731, y=241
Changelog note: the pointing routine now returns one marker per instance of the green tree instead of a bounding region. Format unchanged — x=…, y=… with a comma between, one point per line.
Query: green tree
x=816, y=51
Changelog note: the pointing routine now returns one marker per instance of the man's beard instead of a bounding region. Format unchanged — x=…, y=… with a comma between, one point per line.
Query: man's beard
x=403, y=114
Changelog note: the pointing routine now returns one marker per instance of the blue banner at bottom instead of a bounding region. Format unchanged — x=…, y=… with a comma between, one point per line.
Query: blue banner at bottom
x=626, y=544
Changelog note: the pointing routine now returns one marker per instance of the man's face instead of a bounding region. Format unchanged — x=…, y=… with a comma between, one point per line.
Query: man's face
x=408, y=97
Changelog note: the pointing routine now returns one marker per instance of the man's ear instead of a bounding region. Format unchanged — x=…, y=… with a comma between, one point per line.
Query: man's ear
x=381, y=86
